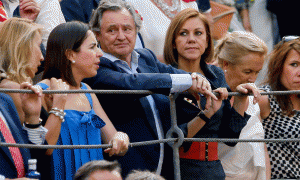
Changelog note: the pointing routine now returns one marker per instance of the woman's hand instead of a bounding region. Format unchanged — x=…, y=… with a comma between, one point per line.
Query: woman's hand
x=216, y=104
x=31, y=103
x=56, y=100
x=201, y=85
x=120, y=143
x=240, y=103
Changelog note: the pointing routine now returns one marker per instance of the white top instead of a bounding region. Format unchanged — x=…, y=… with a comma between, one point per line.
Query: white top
x=246, y=160
x=155, y=23
x=49, y=17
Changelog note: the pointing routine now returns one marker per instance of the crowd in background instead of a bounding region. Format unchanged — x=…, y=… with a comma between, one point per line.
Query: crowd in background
x=165, y=46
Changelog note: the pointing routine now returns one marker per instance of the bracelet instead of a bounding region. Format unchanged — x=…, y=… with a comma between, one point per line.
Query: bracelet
x=203, y=117
x=59, y=113
x=34, y=125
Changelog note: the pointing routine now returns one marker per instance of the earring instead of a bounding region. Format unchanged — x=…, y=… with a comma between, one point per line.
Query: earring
x=73, y=62
x=225, y=71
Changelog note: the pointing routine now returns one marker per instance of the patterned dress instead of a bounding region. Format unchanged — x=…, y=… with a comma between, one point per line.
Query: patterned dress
x=284, y=157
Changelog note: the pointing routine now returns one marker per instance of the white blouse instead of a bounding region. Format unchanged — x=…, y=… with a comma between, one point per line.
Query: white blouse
x=246, y=160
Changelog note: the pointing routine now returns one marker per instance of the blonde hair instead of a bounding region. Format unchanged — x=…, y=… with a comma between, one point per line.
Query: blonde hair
x=233, y=46
x=16, y=43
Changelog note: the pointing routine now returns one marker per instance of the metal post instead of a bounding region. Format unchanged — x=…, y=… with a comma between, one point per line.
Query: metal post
x=175, y=130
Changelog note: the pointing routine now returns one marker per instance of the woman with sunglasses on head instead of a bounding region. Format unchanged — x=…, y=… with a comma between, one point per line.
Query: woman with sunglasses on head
x=189, y=46
x=72, y=55
x=241, y=55
x=281, y=113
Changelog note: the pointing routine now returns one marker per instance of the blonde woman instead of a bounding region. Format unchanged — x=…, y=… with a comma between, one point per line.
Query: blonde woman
x=241, y=56
x=20, y=57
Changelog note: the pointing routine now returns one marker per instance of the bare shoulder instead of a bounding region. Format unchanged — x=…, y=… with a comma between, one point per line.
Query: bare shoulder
x=8, y=84
x=87, y=86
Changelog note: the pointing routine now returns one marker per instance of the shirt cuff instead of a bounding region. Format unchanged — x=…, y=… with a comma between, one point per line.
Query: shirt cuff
x=2, y=177
x=36, y=135
x=180, y=82
x=207, y=11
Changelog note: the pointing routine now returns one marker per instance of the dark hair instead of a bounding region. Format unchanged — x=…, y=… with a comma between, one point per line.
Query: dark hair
x=101, y=165
x=171, y=54
x=275, y=68
x=66, y=36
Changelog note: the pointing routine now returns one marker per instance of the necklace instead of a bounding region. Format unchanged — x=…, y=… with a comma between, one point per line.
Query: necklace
x=167, y=9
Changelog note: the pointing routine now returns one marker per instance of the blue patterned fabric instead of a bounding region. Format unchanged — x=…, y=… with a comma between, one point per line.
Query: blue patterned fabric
x=79, y=128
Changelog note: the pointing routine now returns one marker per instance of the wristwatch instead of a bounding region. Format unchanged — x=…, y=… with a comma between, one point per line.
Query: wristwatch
x=32, y=125
x=203, y=117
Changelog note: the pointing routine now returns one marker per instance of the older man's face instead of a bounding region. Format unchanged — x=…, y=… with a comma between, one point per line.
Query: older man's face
x=118, y=33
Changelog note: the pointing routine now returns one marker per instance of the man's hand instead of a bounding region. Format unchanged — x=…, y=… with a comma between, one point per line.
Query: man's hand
x=201, y=85
x=29, y=9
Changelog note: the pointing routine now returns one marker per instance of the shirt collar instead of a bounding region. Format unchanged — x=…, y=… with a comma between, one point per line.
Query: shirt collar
x=134, y=57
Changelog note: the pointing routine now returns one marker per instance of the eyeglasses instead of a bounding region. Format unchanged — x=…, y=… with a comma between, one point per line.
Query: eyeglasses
x=289, y=38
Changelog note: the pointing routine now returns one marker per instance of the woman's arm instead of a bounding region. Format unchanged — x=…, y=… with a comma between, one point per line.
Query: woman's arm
x=268, y=165
x=264, y=105
x=53, y=123
x=198, y=123
x=110, y=135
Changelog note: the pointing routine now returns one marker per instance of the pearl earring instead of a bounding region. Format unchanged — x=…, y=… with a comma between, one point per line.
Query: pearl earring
x=225, y=71
x=73, y=62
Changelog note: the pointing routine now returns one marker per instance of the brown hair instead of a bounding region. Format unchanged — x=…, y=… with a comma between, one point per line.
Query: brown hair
x=171, y=54
x=275, y=68
x=66, y=36
x=16, y=43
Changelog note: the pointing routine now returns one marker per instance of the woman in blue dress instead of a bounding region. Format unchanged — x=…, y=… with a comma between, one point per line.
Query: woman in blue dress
x=72, y=55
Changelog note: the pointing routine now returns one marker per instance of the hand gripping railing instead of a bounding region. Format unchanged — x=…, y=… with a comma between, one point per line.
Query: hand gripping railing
x=174, y=142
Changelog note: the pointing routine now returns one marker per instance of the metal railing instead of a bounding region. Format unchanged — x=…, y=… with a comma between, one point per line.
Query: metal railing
x=175, y=143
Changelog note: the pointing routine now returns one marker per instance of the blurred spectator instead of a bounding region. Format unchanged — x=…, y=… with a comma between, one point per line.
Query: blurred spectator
x=143, y=175
x=285, y=11
x=157, y=16
x=204, y=7
x=99, y=170
x=80, y=10
x=241, y=56
x=44, y=12
x=281, y=113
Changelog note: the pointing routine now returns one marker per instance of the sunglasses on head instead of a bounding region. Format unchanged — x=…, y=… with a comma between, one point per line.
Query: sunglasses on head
x=289, y=38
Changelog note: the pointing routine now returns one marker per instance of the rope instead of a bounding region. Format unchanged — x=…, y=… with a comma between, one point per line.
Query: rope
x=145, y=92
x=146, y=143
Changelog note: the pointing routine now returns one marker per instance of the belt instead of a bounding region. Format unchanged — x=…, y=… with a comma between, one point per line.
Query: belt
x=202, y=151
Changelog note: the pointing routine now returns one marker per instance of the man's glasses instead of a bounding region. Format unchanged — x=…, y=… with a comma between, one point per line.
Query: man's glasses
x=289, y=38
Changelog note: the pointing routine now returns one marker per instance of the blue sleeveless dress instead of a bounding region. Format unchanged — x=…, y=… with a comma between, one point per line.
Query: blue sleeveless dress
x=79, y=128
